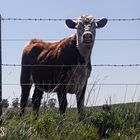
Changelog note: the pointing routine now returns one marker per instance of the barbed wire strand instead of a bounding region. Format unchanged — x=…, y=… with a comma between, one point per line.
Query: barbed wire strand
x=54, y=39
x=62, y=19
x=95, y=65
x=89, y=84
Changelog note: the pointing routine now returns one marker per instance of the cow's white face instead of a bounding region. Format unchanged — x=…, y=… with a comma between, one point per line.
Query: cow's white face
x=86, y=30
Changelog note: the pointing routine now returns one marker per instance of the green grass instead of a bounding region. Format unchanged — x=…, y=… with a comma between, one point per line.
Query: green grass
x=122, y=122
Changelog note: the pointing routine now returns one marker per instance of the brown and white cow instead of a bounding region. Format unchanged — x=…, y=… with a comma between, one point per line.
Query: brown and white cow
x=62, y=67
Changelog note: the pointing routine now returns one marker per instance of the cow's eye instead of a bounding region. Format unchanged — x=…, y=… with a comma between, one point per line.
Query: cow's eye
x=81, y=27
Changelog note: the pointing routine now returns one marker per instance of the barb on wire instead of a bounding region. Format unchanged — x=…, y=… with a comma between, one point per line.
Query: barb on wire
x=62, y=19
x=96, y=65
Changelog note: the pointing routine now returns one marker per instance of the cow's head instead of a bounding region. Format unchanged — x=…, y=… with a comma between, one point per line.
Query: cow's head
x=86, y=30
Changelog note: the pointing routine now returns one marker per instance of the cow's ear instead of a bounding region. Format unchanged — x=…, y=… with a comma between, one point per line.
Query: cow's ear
x=71, y=24
x=101, y=23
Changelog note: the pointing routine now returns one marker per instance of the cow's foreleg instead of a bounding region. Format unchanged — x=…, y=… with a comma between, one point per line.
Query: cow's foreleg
x=80, y=97
x=36, y=100
x=62, y=102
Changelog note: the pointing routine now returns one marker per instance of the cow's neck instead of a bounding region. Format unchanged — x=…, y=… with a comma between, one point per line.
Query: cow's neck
x=84, y=51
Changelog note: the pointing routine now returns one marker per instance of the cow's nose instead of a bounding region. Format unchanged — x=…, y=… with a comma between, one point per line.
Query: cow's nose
x=87, y=35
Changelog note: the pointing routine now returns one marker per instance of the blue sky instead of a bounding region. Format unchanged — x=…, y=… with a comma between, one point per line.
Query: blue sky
x=104, y=52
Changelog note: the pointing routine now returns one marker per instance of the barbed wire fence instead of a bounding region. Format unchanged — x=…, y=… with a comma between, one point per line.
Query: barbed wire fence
x=2, y=19
x=63, y=19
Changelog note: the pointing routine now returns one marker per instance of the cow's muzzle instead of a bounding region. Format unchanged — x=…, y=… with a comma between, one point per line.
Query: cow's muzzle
x=87, y=37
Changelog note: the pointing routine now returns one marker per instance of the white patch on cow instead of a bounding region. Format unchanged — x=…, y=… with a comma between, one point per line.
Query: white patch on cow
x=77, y=78
x=85, y=25
x=31, y=79
x=80, y=74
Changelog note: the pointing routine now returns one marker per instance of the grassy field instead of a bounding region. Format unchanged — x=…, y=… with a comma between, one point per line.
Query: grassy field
x=120, y=122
